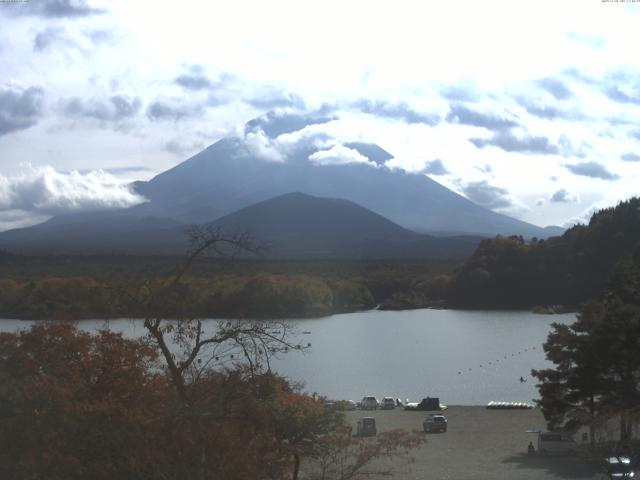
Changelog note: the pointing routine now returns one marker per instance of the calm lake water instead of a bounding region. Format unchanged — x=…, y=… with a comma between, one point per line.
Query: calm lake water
x=463, y=357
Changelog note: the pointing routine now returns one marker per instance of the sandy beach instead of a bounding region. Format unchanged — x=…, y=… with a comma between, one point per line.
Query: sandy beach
x=480, y=444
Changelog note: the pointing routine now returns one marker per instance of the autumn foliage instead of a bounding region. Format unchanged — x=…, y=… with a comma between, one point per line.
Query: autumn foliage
x=75, y=405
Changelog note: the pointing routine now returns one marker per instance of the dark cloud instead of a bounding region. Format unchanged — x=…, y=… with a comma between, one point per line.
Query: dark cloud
x=435, y=167
x=630, y=157
x=591, y=169
x=487, y=195
x=546, y=112
x=466, y=116
x=458, y=94
x=172, y=110
x=19, y=109
x=617, y=95
x=578, y=75
x=49, y=36
x=510, y=143
x=398, y=111
x=194, y=81
x=622, y=86
x=562, y=196
x=555, y=87
x=115, y=109
x=272, y=98
x=55, y=8
x=274, y=124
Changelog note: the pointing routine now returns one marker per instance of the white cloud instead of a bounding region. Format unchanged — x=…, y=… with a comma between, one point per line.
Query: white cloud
x=263, y=147
x=44, y=190
x=340, y=155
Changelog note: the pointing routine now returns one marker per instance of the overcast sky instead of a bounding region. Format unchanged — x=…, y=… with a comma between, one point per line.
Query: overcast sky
x=531, y=108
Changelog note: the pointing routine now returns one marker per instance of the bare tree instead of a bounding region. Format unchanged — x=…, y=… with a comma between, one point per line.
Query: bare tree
x=192, y=347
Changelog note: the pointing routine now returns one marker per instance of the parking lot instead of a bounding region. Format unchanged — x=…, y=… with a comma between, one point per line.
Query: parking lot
x=479, y=444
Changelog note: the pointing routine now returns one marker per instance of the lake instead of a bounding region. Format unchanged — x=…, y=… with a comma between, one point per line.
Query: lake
x=463, y=357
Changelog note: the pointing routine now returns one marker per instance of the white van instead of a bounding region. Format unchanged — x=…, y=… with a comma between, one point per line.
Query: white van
x=556, y=442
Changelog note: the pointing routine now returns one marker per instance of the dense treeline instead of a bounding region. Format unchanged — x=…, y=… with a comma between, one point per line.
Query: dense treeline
x=103, y=287
x=567, y=270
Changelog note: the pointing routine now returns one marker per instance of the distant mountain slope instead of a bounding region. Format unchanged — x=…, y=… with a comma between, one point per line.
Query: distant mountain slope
x=293, y=225
x=566, y=270
x=303, y=226
x=227, y=176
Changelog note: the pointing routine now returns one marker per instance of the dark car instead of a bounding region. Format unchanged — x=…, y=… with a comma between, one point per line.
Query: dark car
x=427, y=404
x=619, y=467
x=435, y=423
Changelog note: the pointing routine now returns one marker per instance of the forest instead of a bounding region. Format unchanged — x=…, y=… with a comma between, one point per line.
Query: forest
x=98, y=287
x=556, y=274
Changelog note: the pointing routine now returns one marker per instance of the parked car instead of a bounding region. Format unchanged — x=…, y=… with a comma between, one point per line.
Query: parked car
x=427, y=404
x=366, y=427
x=329, y=403
x=435, y=423
x=556, y=442
x=369, y=403
x=345, y=405
x=388, y=403
x=619, y=468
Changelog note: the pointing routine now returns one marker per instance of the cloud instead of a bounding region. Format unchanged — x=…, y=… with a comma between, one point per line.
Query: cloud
x=548, y=112
x=19, y=109
x=586, y=215
x=635, y=134
x=398, y=111
x=272, y=98
x=373, y=152
x=99, y=36
x=562, y=196
x=488, y=196
x=46, y=191
x=511, y=143
x=630, y=157
x=11, y=219
x=339, y=155
x=261, y=146
x=592, y=41
x=486, y=168
x=435, y=167
x=623, y=86
x=50, y=35
x=466, y=116
x=181, y=148
x=555, y=87
x=116, y=108
x=274, y=124
x=172, y=109
x=591, y=169
x=196, y=81
x=55, y=8
x=458, y=94
x=623, y=95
